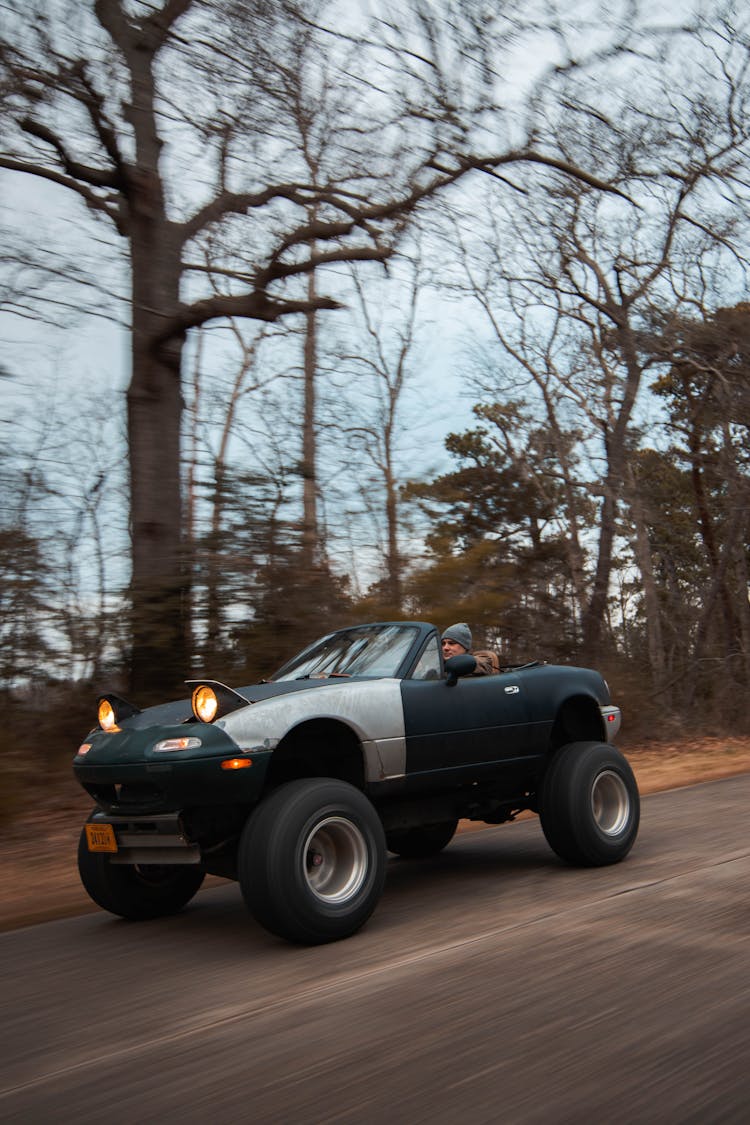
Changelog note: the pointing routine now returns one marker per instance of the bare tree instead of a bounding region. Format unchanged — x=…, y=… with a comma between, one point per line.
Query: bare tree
x=214, y=419
x=375, y=372
x=572, y=302
x=536, y=370
x=62, y=595
x=164, y=121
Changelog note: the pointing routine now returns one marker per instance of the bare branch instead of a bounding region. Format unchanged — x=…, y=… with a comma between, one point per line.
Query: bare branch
x=256, y=305
x=239, y=203
x=107, y=205
x=95, y=177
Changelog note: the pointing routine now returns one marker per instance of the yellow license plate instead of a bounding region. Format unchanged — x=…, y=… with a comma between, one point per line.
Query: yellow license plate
x=101, y=838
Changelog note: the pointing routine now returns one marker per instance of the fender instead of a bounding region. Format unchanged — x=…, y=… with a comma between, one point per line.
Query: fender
x=372, y=709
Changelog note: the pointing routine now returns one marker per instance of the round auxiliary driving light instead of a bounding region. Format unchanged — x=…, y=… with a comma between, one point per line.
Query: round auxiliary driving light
x=106, y=715
x=205, y=703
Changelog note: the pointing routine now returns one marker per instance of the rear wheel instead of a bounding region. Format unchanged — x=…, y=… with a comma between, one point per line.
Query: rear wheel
x=312, y=861
x=422, y=841
x=589, y=806
x=136, y=892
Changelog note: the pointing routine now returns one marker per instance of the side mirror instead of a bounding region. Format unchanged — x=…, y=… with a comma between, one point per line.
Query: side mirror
x=462, y=665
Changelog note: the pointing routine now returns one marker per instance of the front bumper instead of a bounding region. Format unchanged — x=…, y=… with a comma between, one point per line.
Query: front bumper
x=159, y=839
x=125, y=775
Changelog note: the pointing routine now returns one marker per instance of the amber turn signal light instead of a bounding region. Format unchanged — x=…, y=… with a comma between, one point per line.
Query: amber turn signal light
x=236, y=763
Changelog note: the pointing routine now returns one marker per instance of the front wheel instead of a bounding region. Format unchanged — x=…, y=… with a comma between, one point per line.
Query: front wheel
x=589, y=805
x=136, y=892
x=311, y=861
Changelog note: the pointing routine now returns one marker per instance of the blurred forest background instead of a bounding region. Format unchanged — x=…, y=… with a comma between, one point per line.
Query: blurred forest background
x=429, y=309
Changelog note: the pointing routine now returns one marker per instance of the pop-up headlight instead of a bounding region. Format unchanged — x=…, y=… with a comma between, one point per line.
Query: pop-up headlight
x=112, y=710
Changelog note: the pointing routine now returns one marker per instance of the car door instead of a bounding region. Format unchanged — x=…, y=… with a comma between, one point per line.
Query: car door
x=463, y=731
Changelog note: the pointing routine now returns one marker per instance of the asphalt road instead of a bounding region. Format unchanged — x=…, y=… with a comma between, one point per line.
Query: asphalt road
x=493, y=984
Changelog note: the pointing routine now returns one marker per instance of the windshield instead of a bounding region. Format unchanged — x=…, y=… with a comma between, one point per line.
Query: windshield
x=369, y=651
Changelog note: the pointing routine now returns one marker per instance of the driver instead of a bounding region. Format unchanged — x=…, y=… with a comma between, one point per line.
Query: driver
x=457, y=639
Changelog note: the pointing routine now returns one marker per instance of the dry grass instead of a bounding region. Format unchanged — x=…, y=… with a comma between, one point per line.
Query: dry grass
x=669, y=765
x=40, y=878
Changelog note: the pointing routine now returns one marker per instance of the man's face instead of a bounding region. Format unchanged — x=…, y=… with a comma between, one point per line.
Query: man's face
x=451, y=648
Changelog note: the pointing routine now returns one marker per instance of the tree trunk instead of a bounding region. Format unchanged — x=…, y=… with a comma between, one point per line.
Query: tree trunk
x=616, y=451
x=309, y=438
x=393, y=555
x=642, y=552
x=159, y=582
x=707, y=533
x=595, y=613
x=191, y=500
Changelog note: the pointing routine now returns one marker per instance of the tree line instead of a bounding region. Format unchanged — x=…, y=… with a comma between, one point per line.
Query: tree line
x=297, y=192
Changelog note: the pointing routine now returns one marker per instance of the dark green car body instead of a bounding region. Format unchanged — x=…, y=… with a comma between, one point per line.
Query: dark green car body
x=381, y=742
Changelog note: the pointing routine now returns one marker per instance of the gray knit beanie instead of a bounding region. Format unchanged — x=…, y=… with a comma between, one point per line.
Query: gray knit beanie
x=460, y=633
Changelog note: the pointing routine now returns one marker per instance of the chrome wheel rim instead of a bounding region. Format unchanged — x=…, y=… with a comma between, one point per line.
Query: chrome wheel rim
x=335, y=859
x=610, y=803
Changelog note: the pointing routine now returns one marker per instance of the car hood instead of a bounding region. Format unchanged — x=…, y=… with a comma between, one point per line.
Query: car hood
x=181, y=711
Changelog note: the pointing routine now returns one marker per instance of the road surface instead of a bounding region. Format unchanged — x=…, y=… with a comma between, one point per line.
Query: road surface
x=493, y=984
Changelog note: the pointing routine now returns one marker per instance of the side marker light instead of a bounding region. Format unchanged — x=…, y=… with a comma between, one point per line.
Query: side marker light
x=236, y=763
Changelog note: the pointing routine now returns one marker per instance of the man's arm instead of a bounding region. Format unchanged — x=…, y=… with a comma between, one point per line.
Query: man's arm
x=487, y=664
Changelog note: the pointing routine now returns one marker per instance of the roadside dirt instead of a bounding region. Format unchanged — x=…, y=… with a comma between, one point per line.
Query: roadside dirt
x=39, y=878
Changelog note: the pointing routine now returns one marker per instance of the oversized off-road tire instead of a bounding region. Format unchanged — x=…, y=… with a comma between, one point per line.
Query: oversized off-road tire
x=136, y=892
x=311, y=861
x=589, y=805
x=422, y=841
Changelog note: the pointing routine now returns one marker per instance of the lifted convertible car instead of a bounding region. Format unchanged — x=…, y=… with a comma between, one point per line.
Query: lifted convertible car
x=364, y=743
